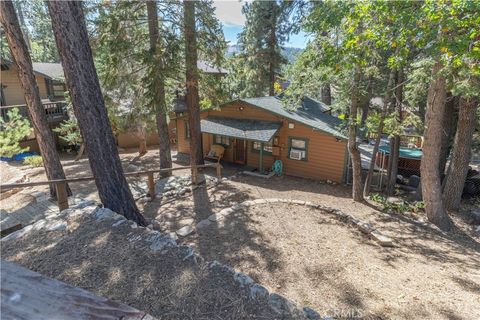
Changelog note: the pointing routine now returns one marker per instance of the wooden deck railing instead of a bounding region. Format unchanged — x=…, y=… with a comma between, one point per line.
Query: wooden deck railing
x=61, y=184
x=55, y=110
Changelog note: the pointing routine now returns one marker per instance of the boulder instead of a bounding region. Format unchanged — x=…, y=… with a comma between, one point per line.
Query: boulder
x=203, y=224
x=395, y=200
x=216, y=217
x=311, y=314
x=382, y=240
x=281, y=305
x=258, y=292
x=242, y=279
x=185, y=231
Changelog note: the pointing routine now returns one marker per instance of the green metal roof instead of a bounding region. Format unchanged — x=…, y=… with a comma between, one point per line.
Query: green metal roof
x=310, y=113
x=255, y=130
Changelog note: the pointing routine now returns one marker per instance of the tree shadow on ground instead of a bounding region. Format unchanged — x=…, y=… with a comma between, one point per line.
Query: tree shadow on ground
x=203, y=202
x=285, y=184
x=428, y=242
x=467, y=284
x=216, y=242
x=106, y=260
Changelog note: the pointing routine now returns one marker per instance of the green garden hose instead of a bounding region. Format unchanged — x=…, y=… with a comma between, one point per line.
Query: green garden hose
x=277, y=167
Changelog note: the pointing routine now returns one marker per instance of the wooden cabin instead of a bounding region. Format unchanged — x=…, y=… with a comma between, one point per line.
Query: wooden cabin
x=257, y=131
x=49, y=77
x=50, y=84
x=49, y=80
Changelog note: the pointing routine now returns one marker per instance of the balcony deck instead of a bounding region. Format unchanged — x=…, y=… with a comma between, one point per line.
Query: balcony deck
x=56, y=111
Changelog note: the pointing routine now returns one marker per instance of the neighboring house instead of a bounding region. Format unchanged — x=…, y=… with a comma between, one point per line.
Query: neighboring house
x=51, y=88
x=257, y=131
x=49, y=80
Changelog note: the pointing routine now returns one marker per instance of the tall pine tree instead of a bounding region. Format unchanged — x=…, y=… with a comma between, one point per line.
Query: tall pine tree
x=157, y=88
x=70, y=32
x=21, y=56
x=192, y=97
x=266, y=30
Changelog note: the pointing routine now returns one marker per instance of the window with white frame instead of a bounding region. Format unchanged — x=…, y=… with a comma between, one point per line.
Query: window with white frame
x=267, y=147
x=297, y=148
x=58, y=89
x=222, y=140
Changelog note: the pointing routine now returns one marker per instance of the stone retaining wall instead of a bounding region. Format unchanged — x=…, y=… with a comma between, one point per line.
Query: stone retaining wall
x=160, y=243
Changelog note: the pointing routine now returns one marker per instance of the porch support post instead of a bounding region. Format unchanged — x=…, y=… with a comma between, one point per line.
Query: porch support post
x=261, y=158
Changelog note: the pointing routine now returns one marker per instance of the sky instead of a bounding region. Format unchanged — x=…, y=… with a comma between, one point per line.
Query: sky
x=229, y=12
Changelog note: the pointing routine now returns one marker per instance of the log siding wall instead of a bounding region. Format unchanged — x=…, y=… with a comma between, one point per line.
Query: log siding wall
x=13, y=91
x=326, y=155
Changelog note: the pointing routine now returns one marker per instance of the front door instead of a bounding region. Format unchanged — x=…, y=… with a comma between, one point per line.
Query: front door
x=239, y=154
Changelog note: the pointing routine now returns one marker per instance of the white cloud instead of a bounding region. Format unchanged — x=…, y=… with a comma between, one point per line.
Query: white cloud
x=229, y=12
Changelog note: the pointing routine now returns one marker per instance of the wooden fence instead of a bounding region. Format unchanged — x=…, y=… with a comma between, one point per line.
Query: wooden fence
x=61, y=184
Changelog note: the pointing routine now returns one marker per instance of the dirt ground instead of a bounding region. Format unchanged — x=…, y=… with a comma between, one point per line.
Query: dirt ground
x=92, y=255
x=316, y=260
x=333, y=268
x=327, y=265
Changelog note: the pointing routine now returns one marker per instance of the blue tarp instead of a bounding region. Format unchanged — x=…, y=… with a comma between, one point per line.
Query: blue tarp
x=19, y=157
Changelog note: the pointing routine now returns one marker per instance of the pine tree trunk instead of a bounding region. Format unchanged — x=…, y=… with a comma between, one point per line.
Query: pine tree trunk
x=271, y=68
x=458, y=168
x=395, y=144
x=365, y=109
x=193, y=105
x=160, y=106
x=381, y=125
x=393, y=164
x=164, y=142
x=326, y=94
x=431, y=186
x=271, y=79
x=23, y=26
x=142, y=145
x=70, y=32
x=366, y=103
x=352, y=140
x=21, y=56
x=326, y=91
x=448, y=131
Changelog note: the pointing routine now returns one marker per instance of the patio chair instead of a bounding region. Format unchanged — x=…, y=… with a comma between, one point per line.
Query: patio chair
x=216, y=153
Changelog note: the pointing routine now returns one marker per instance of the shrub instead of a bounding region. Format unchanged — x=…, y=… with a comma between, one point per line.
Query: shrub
x=69, y=132
x=34, y=161
x=12, y=131
x=397, y=207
